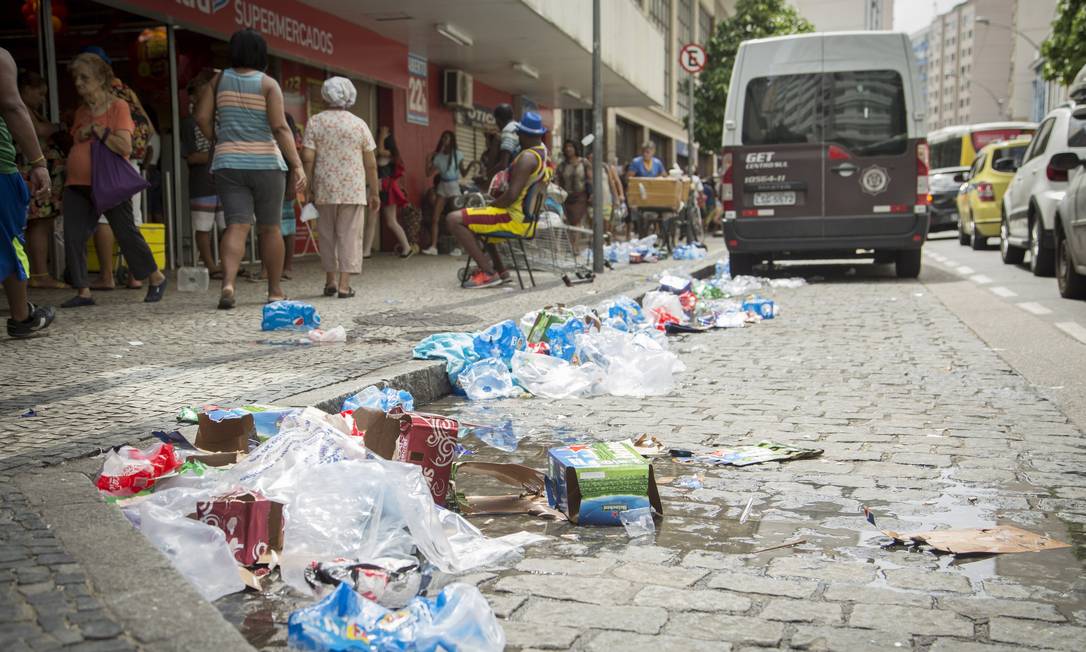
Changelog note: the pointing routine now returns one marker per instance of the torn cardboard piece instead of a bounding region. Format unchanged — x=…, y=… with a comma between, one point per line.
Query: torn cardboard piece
x=253, y=525
x=427, y=440
x=225, y=436
x=532, y=499
x=1002, y=539
x=764, y=451
x=648, y=445
x=594, y=483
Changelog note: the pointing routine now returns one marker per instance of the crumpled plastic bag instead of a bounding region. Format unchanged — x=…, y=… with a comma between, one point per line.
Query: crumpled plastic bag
x=687, y=252
x=551, y=377
x=457, y=349
x=129, y=470
x=561, y=338
x=289, y=315
x=330, y=336
x=488, y=379
x=459, y=618
x=622, y=309
x=197, y=550
x=632, y=364
x=788, y=283
x=499, y=341
x=380, y=398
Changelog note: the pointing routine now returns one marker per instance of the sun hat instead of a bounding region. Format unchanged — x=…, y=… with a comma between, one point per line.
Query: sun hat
x=531, y=123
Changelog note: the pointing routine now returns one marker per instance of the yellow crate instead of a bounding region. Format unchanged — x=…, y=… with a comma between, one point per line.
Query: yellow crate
x=661, y=192
x=154, y=234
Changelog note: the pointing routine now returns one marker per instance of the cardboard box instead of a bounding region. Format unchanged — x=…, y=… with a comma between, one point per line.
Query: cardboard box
x=253, y=524
x=661, y=193
x=226, y=436
x=593, y=483
x=531, y=499
x=428, y=440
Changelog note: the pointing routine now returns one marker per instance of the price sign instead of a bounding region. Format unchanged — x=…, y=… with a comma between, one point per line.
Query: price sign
x=692, y=58
x=418, y=101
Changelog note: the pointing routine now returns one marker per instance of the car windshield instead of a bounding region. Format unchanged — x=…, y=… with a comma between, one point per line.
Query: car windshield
x=782, y=109
x=1015, y=153
x=946, y=153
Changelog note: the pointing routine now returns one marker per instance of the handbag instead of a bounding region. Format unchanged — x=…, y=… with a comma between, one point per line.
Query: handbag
x=114, y=180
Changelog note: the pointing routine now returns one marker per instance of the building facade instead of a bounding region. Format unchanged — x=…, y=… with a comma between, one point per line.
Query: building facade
x=1032, y=22
x=921, y=41
x=847, y=15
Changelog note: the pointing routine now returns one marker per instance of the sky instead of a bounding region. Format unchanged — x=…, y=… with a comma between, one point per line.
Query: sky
x=913, y=15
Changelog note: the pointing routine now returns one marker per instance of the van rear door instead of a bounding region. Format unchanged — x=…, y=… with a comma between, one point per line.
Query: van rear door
x=778, y=169
x=870, y=166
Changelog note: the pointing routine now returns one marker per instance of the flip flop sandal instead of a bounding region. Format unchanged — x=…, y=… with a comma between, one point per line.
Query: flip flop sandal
x=330, y=290
x=103, y=288
x=346, y=295
x=227, y=302
x=282, y=298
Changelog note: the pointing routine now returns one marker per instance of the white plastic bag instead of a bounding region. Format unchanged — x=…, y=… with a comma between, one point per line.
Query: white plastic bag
x=197, y=550
x=487, y=379
x=633, y=364
x=551, y=377
x=309, y=212
x=332, y=335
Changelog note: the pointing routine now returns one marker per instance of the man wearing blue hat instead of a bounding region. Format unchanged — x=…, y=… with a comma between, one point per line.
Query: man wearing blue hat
x=506, y=215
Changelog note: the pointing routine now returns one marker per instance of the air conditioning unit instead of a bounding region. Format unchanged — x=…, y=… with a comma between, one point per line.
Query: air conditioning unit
x=458, y=89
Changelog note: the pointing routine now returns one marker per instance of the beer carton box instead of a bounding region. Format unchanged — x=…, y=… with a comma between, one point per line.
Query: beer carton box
x=594, y=483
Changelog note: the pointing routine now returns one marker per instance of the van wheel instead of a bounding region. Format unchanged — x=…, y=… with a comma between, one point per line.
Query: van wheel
x=1010, y=254
x=907, y=264
x=1072, y=284
x=741, y=264
x=1042, y=260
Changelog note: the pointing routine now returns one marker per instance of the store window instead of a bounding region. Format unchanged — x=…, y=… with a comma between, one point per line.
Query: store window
x=576, y=124
x=664, y=150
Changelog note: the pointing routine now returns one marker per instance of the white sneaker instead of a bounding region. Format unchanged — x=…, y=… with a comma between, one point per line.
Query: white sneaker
x=432, y=251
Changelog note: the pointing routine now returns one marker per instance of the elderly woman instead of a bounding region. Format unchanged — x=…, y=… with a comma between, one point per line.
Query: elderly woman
x=246, y=119
x=338, y=154
x=102, y=116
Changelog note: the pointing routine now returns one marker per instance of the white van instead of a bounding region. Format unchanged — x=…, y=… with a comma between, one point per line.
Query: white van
x=824, y=152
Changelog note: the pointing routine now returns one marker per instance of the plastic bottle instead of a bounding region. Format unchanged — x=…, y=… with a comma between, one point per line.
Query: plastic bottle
x=192, y=279
x=723, y=269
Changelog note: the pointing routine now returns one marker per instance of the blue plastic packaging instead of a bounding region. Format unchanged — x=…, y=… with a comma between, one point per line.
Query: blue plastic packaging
x=627, y=310
x=289, y=315
x=499, y=341
x=380, y=398
x=722, y=270
x=687, y=252
x=457, y=349
x=487, y=379
x=459, y=618
x=764, y=308
x=562, y=338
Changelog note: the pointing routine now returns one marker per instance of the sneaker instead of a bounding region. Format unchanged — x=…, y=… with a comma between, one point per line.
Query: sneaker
x=432, y=251
x=39, y=319
x=481, y=279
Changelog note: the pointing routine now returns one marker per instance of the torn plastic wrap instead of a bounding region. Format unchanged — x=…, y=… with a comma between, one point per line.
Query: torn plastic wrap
x=551, y=377
x=633, y=364
x=487, y=379
x=198, y=551
x=380, y=398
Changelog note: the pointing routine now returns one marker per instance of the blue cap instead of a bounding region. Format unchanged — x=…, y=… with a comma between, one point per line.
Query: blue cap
x=98, y=52
x=531, y=123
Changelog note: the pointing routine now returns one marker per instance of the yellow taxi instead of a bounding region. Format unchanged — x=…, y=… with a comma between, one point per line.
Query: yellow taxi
x=981, y=195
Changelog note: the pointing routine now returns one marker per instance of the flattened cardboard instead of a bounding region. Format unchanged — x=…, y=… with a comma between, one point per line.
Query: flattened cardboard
x=593, y=483
x=217, y=459
x=531, y=500
x=380, y=431
x=427, y=440
x=253, y=525
x=1002, y=539
x=226, y=436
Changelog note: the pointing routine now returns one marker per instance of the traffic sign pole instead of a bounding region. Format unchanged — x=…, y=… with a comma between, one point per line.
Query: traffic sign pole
x=692, y=60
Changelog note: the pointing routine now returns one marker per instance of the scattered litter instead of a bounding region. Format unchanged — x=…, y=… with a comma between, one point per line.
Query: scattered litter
x=869, y=515
x=530, y=500
x=380, y=398
x=1002, y=539
x=289, y=315
x=594, y=484
x=638, y=522
x=391, y=587
x=487, y=379
x=331, y=336
x=648, y=445
x=459, y=618
x=787, y=544
x=687, y=252
x=135, y=343
x=253, y=525
x=764, y=451
x=29, y=413
x=745, y=516
x=128, y=470
x=688, y=482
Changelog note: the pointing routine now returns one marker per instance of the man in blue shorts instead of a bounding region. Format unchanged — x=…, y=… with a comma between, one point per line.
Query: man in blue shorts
x=26, y=318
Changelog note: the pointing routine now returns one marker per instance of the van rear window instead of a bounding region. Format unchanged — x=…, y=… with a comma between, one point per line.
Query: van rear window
x=865, y=112
x=946, y=154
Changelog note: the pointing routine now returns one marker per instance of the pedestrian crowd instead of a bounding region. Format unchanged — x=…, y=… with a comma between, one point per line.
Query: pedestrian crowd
x=248, y=163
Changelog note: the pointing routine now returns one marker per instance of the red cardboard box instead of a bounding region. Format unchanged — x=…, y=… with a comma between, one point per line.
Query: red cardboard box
x=429, y=440
x=253, y=524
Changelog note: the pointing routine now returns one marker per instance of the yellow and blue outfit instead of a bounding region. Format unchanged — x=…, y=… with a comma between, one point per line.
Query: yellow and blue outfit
x=510, y=222
x=14, y=200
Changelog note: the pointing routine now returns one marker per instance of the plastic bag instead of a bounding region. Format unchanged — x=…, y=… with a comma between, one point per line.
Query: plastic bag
x=197, y=550
x=625, y=310
x=687, y=252
x=551, y=377
x=638, y=522
x=457, y=349
x=129, y=470
x=632, y=364
x=487, y=379
x=459, y=618
x=309, y=212
x=561, y=339
x=380, y=398
x=788, y=283
x=334, y=335
x=290, y=315
x=499, y=341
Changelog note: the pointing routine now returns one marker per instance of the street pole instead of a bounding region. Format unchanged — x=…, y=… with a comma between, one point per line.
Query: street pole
x=597, y=144
x=692, y=161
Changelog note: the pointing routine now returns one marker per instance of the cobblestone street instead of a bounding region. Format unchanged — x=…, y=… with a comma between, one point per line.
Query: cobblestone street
x=920, y=421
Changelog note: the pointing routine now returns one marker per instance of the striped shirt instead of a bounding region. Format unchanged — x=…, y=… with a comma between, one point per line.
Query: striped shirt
x=244, y=139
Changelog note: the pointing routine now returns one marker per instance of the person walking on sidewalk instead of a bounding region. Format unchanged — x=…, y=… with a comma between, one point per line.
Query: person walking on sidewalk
x=338, y=155
x=203, y=202
x=109, y=119
x=390, y=170
x=245, y=119
x=26, y=318
x=448, y=163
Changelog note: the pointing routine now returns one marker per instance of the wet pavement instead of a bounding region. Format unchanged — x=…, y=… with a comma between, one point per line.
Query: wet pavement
x=920, y=421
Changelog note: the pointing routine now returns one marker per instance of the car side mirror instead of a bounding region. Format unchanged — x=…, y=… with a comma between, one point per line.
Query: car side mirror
x=1004, y=165
x=1064, y=161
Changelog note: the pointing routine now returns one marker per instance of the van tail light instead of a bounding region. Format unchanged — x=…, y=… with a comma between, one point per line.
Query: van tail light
x=922, y=196
x=985, y=192
x=838, y=153
x=727, y=190
x=1055, y=175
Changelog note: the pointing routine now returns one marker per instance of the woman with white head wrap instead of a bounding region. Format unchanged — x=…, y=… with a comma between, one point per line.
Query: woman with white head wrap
x=337, y=152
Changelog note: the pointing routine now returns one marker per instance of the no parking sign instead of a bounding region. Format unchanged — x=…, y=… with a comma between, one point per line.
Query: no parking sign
x=692, y=58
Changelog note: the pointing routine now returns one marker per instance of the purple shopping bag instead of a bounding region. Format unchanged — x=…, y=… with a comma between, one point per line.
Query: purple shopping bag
x=113, y=179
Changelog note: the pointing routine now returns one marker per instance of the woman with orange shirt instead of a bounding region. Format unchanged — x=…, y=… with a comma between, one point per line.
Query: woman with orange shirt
x=103, y=116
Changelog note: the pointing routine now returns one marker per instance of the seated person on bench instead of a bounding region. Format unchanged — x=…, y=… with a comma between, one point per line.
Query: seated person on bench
x=505, y=215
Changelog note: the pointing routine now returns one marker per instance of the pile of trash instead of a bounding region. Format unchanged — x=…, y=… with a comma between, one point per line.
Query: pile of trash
x=633, y=252
x=618, y=347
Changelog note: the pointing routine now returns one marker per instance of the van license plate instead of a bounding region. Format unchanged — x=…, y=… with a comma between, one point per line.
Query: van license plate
x=775, y=198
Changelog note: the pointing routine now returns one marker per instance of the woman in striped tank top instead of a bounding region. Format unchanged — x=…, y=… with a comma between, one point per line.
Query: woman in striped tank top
x=245, y=120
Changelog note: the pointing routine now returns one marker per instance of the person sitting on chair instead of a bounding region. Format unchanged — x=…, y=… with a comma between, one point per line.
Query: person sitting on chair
x=506, y=214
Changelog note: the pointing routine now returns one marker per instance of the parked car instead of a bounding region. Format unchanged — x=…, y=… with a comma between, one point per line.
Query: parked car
x=1070, y=232
x=985, y=184
x=1029, y=206
x=823, y=179
x=943, y=186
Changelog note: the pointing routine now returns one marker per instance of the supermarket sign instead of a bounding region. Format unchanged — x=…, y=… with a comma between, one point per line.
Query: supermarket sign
x=292, y=29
